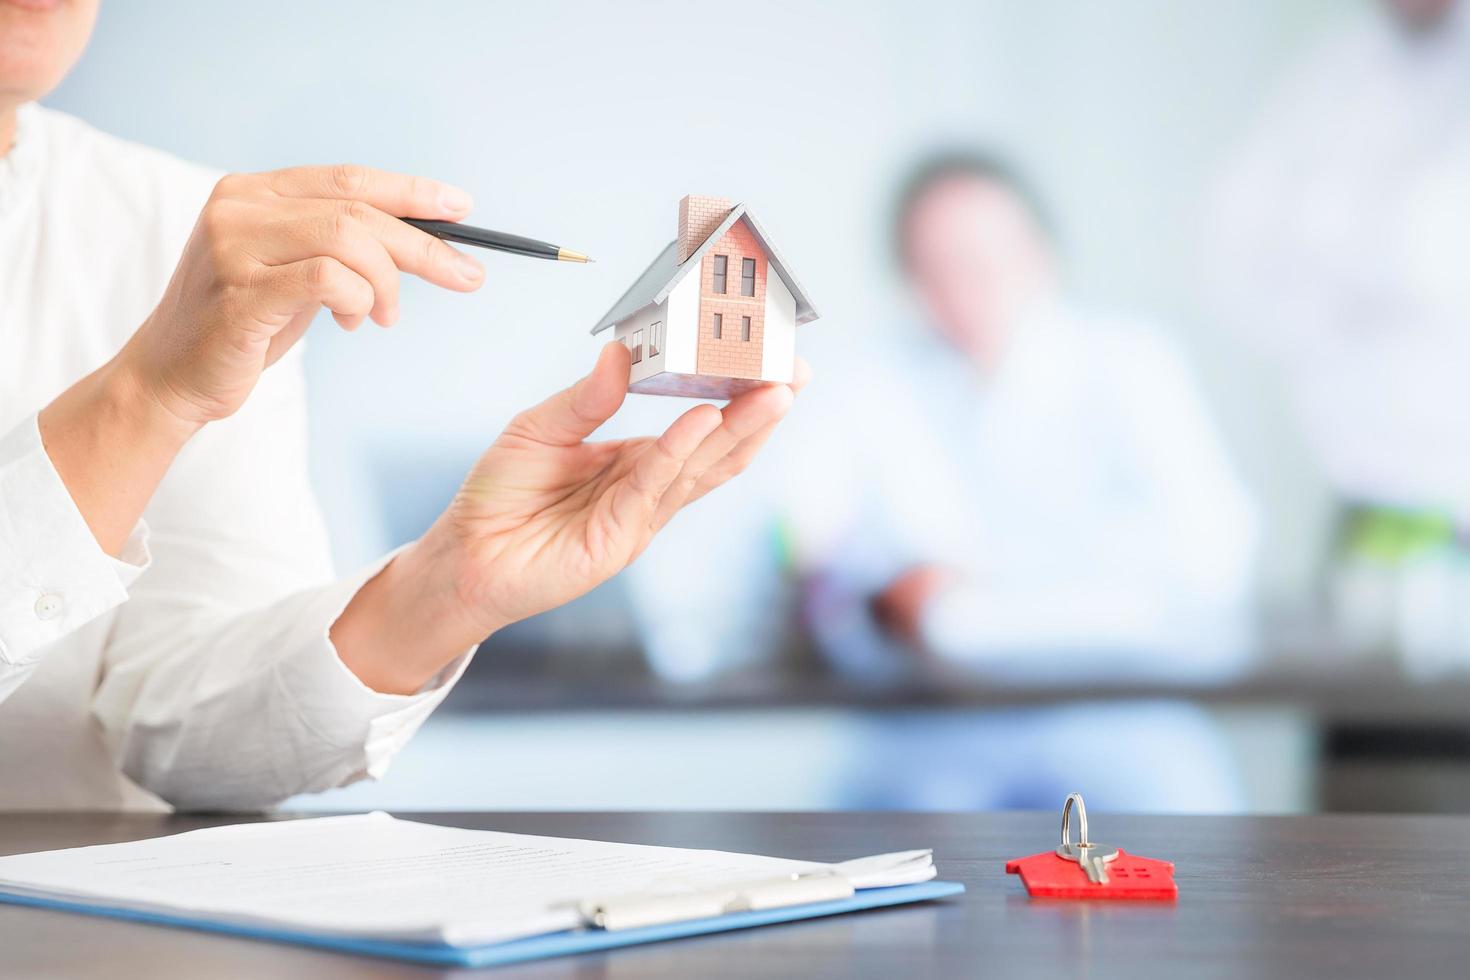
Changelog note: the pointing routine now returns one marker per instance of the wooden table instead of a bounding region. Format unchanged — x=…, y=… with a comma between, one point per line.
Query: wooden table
x=1321, y=896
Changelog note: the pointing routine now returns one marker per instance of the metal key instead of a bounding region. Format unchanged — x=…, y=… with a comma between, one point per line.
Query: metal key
x=1091, y=856
x=1094, y=858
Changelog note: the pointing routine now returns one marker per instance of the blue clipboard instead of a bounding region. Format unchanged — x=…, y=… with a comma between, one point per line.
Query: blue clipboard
x=533, y=948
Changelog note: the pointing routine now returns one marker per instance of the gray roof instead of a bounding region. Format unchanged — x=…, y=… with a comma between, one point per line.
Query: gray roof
x=660, y=278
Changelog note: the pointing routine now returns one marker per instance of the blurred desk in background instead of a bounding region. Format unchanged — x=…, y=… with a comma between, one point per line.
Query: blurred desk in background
x=1373, y=739
x=1338, y=897
x=1337, y=691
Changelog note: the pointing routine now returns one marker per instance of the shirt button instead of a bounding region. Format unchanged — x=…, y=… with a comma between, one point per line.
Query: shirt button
x=48, y=606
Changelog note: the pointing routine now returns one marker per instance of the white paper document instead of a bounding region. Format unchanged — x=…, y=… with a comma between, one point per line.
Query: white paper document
x=374, y=876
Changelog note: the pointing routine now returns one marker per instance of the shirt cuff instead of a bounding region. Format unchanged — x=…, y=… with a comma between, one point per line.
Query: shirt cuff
x=54, y=576
x=371, y=727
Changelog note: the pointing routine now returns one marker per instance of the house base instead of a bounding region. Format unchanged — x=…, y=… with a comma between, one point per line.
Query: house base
x=694, y=385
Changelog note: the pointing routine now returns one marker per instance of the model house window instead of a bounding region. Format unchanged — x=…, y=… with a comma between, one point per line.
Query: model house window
x=719, y=325
x=721, y=262
x=655, y=337
x=745, y=328
x=747, y=277
x=637, y=346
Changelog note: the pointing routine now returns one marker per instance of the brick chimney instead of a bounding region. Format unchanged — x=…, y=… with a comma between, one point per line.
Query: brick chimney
x=698, y=217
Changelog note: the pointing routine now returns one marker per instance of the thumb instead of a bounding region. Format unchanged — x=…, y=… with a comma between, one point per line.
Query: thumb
x=572, y=415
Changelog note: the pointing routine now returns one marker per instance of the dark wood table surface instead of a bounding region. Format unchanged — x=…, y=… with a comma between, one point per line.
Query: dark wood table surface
x=1316, y=896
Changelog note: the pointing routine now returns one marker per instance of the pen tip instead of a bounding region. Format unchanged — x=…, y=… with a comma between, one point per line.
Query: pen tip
x=567, y=255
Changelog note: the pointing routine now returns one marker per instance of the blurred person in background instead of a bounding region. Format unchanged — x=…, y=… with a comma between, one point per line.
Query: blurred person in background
x=1037, y=494
x=1340, y=237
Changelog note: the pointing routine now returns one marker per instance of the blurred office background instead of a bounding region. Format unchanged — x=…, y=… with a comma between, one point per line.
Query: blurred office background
x=1171, y=143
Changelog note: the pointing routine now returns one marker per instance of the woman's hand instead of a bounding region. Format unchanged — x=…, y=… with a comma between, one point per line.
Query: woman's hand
x=269, y=251
x=543, y=518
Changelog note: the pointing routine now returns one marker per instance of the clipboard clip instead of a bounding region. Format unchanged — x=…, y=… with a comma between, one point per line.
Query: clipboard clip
x=636, y=910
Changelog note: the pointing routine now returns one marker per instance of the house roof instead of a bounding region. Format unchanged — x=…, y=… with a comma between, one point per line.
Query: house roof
x=665, y=272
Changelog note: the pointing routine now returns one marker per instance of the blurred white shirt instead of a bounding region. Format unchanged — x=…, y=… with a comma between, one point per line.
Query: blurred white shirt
x=1341, y=236
x=196, y=670
x=1081, y=492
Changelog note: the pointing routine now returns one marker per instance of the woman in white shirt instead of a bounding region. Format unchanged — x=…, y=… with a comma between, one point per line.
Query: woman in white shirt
x=169, y=629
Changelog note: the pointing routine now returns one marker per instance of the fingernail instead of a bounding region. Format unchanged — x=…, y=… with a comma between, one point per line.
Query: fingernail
x=454, y=199
x=469, y=268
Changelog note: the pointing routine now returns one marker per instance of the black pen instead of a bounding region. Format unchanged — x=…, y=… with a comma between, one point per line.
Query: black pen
x=453, y=231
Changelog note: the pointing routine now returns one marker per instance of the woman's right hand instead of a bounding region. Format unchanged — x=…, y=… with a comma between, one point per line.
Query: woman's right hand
x=268, y=251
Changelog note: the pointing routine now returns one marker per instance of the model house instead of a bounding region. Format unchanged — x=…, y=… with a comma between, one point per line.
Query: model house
x=716, y=312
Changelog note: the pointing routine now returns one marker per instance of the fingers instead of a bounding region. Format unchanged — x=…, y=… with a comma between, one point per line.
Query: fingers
x=375, y=246
x=572, y=415
x=341, y=238
x=318, y=281
x=423, y=255
x=347, y=213
x=743, y=418
x=636, y=499
x=741, y=456
x=400, y=195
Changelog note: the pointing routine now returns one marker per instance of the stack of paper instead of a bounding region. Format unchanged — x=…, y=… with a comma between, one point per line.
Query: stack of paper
x=375, y=878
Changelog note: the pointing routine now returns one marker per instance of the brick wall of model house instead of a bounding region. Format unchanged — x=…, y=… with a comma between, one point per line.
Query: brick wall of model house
x=732, y=355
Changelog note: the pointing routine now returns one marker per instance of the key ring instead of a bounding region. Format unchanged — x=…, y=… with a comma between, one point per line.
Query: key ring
x=1067, y=820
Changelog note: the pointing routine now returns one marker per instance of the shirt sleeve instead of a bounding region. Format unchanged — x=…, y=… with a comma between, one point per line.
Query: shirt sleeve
x=54, y=576
x=221, y=688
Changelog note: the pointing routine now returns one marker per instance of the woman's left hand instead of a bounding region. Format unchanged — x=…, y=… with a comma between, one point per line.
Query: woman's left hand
x=545, y=516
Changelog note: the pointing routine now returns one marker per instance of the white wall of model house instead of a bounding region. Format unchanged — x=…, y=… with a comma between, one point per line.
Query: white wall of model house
x=679, y=317
x=778, y=353
x=637, y=331
x=683, y=334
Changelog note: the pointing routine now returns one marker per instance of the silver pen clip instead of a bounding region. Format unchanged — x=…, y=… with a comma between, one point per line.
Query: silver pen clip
x=636, y=910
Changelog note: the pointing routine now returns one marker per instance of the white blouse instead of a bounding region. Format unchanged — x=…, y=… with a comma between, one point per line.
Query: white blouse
x=195, y=670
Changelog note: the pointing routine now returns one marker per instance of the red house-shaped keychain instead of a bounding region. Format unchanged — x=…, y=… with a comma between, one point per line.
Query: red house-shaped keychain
x=1090, y=870
x=1046, y=875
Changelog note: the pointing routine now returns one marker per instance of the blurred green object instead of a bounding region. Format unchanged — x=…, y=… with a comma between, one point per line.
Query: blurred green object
x=1392, y=536
x=1399, y=586
x=783, y=542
